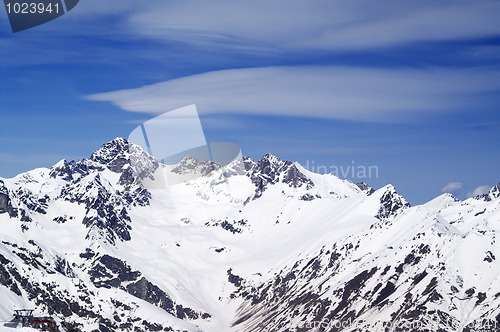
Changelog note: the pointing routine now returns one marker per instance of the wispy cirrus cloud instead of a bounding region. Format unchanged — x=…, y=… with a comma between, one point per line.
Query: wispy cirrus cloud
x=315, y=24
x=346, y=93
x=268, y=27
x=280, y=25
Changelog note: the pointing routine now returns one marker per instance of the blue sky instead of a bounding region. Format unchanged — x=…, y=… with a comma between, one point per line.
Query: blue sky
x=412, y=88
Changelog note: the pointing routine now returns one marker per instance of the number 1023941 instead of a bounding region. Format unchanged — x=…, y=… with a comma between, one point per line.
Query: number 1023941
x=32, y=8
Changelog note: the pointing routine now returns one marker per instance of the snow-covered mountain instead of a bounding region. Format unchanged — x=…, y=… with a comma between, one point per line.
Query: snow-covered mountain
x=253, y=246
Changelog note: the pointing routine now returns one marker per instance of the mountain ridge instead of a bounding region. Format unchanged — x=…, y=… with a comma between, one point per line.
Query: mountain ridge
x=252, y=246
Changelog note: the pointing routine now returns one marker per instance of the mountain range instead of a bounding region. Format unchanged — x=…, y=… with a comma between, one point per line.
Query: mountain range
x=122, y=242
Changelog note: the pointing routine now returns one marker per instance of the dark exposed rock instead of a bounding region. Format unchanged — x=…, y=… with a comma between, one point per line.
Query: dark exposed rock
x=419, y=277
x=5, y=277
x=469, y=292
x=385, y=292
x=60, y=219
x=74, y=170
x=193, y=165
x=5, y=201
x=121, y=156
x=493, y=194
x=307, y=197
x=233, y=226
x=32, y=202
x=352, y=288
x=365, y=188
x=489, y=257
x=63, y=267
x=114, y=155
x=151, y=293
x=111, y=272
x=88, y=254
x=481, y=296
x=234, y=279
x=270, y=170
x=106, y=211
x=390, y=204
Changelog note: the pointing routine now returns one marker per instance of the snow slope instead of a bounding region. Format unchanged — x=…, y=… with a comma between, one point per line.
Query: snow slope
x=253, y=246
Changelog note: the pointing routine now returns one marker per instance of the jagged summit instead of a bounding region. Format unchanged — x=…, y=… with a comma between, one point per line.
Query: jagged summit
x=391, y=202
x=119, y=156
x=192, y=165
x=134, y=164
x=272, y=159
x=115, y=154
x=270, y=170
x=494, y=192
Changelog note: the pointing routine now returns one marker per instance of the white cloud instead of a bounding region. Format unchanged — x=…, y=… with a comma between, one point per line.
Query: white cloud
x=359, y=94
x=314, y=24
x=481, y=190
x=269, y=27
x=263, y=25
x=452, y=187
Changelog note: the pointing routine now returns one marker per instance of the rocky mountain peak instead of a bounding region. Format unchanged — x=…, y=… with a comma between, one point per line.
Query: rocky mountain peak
x=270, y=166
x=391, y=203
x=494, y=192
x=270, y=170
x=272, y=159
x=192, y=165
x=121, y=156
x=114, y=154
